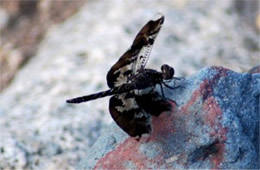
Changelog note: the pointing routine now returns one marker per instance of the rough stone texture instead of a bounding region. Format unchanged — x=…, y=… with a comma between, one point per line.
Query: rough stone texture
x=214, y=125
x=40, y=131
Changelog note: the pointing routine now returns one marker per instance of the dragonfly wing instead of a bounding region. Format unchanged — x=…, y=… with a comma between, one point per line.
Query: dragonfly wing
x=153, y=103
x=129, y=116
x=137, y=56
x=144, y=41
x=121, y=70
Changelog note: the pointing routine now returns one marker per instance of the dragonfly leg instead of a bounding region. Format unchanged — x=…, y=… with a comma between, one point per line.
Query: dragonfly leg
x=166, y=85
x=162, y=91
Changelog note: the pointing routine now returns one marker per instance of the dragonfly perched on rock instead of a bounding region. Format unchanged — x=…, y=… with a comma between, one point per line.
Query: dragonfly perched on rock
x=134, y=99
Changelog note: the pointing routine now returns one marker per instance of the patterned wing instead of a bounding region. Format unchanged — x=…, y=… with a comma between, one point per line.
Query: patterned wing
x=133, y=112
x=136, y=57
x=129, y=116
x=147, y=35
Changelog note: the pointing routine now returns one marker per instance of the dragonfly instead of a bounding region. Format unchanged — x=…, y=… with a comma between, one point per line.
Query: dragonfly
x=132, y=85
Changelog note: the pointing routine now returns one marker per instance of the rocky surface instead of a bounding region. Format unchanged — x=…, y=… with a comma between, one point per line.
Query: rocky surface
x=40, y=131
x=215, y=124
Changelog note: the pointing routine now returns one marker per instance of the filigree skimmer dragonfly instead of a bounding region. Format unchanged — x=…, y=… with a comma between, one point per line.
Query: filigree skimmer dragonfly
x=134, y=99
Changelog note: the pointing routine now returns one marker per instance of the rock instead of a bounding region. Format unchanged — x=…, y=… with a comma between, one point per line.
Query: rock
x=215, y=124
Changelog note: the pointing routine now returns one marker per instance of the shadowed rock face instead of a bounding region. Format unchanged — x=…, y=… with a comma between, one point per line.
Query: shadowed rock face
x=215, y=124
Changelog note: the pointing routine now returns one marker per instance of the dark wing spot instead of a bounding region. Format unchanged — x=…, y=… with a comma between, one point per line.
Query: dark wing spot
x=128, y=120
x=151, y=41
x=153, y=103
x=111, y=78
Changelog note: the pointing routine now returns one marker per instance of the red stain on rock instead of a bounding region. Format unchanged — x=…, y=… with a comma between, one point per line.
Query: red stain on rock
x=117, y=158
x=221, y=70
x=205, y=89
x=194, y=99
x=196, y=95
x=212, y=117
x=163, y=125
x=128, y=153
x=212, y=113
x=218, y=157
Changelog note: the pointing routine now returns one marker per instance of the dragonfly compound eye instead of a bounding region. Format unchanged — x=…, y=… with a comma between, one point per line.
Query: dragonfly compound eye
x=167, y=72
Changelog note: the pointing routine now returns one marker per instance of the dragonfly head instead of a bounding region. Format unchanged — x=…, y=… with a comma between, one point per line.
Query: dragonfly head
x=167, y=72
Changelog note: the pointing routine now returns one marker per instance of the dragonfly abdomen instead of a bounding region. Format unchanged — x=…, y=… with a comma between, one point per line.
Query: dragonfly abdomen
x=116, y=90
x=91, y=97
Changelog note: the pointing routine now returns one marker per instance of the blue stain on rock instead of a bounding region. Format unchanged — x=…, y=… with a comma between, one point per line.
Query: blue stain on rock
x=238, y=97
